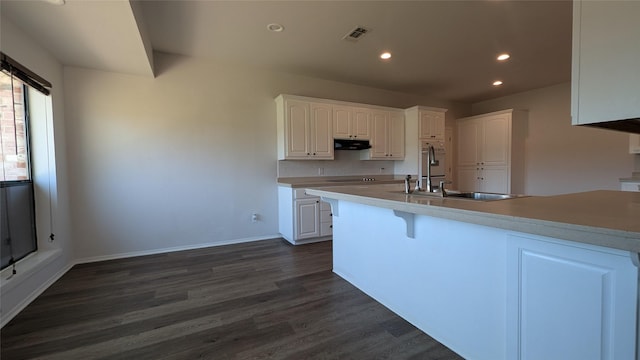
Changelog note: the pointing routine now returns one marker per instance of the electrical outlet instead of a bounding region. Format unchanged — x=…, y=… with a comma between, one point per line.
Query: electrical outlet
x=320, y=171
x=254, y=217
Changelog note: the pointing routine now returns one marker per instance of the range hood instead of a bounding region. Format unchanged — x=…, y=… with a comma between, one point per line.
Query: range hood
x=339, y=144
x=626, y=125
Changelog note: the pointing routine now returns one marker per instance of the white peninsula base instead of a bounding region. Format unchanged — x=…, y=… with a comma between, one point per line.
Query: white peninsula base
x=490, y=293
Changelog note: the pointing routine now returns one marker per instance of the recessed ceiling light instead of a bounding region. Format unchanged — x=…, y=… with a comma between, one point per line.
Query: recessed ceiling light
x=275, y=27
x=503, y=57
x=497, y=83
x=385, y=55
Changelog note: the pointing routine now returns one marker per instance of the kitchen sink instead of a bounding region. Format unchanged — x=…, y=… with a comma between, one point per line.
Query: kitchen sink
x=482, y=196
x=469, y=195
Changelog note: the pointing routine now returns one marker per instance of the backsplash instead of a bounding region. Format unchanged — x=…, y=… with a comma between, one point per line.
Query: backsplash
x=345, y=163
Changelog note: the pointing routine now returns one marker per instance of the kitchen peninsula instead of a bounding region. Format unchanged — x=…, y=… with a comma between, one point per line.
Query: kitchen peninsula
x=527, y=278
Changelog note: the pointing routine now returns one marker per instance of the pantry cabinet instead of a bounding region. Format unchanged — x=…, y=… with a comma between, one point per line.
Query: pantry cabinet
x=387, y=136
x=490, y=152
x=305, y=130
x=605, y=56
x=351, y=123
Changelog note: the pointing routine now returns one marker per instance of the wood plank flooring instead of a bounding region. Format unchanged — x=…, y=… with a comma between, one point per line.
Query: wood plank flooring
x=260, y=300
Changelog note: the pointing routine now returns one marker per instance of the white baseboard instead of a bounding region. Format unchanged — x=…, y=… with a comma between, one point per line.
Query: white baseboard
x=26, y=301
x=172, y=249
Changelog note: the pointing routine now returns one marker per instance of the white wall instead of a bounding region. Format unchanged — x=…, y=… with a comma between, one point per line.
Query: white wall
x=182, y=160
x=34, y=274
x=561, y=158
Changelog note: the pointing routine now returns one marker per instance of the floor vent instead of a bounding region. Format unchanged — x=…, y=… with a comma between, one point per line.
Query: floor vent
x=356, y=33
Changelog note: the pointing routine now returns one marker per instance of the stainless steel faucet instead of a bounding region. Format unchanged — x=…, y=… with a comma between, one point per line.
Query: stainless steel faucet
x=431, y=160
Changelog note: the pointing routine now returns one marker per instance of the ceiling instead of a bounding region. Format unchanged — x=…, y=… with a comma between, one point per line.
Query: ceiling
x=442, y=49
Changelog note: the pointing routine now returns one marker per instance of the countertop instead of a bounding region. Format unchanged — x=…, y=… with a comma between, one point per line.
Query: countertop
x=317, y=181
x=605, y=218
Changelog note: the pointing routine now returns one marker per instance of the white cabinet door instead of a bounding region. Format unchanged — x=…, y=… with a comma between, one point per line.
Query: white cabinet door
x=569, y=301
x=361, y=127
x=431, y=125
x=468, y=136
x=395, y=143
x=606, y=52
x=351, y=123
x=321, y=132
x=342, y=122
x=307, y=218
x=387, y=135
x=379, y=137
x=495, y=143
x=494, y=179
x=297, y=129
x=468, y=178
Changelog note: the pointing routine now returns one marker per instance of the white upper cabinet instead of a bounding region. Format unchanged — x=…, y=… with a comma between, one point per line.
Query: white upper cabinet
x=305, y=130
x=396, y=135
x=308, y=126
x=605, y=63
x=387, y=136
x=351, y=123
x=321, y=131
x=431, y=125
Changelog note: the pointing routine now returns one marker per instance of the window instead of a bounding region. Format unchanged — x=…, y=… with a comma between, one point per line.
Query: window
x=13, y=128
x=17, y=204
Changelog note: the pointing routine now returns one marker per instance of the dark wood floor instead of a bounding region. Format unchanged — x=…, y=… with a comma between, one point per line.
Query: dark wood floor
x=261, y=300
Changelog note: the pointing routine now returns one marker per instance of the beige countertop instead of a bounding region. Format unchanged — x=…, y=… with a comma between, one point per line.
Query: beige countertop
x=316, y=181
x=605, y=218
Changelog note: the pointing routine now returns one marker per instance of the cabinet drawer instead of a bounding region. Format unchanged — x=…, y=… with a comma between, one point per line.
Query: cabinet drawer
x=326, y=229
x=325, y=206
x=301, y=194
x=325, y=216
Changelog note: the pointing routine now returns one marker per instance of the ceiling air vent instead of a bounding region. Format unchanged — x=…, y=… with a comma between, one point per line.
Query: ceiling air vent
x=356, y=34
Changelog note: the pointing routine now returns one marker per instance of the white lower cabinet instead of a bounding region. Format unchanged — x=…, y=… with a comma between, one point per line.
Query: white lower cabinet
x=303, y=218
x=588, y=293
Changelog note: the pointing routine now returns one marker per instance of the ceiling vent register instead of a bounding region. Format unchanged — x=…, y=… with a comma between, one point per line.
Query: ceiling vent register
x=356, y=34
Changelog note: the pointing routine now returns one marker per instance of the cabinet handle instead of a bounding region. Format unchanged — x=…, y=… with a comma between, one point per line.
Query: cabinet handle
x=317, y=201
x=308, y=154
x=314, y=154
x=355, y=136
x=330, y=214
x=330, y=226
